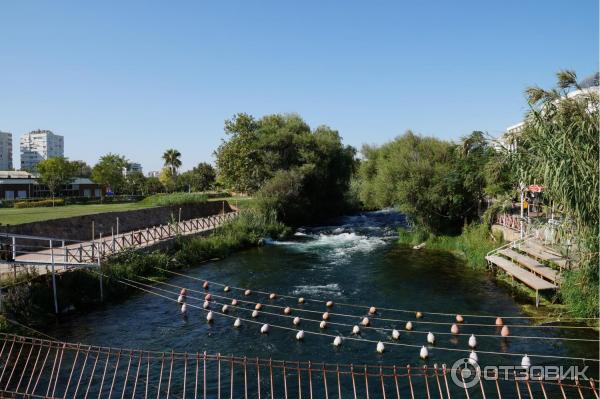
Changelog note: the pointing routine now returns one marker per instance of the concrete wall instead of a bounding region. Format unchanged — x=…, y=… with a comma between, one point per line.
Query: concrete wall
x=80, y=227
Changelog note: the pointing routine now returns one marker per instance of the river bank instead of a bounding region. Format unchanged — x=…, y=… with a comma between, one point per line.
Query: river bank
x=471, y=246
x=29, y=299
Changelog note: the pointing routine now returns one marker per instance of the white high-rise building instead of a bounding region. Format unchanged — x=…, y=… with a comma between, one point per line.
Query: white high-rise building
x=6, y=160
x=39, y=145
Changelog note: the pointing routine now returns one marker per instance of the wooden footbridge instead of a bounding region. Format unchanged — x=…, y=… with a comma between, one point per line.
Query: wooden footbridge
x=32, y=367
x=33, y=250
x=53, y=255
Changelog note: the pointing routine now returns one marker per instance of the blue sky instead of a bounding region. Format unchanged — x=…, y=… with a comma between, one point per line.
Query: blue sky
x=138, y=77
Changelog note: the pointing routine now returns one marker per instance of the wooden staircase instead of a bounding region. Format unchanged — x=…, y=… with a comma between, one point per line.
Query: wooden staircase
x=522, y=260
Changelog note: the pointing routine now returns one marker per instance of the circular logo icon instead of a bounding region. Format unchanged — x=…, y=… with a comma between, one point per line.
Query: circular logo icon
x=465, y=373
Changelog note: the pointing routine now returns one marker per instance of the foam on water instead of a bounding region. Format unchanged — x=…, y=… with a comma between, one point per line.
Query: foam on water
x=328, y=289
x=353, y=235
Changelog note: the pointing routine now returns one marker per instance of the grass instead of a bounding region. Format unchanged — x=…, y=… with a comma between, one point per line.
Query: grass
x=14, y=216
x=472, y=245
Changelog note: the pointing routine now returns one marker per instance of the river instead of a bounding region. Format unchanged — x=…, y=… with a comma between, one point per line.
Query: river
x=356, y=261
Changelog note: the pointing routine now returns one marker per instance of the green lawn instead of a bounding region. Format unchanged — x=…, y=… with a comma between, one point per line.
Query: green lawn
x=27, y=215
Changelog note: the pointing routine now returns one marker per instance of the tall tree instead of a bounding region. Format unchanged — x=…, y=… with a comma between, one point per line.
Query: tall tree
x=109, y=171
x=55, y=173
x=167, y=179
x=200, y=178
x=280, y=157
x=437, y=183
x=82, y=169
x=135, y=183
x=559, y=149
x=172, y=159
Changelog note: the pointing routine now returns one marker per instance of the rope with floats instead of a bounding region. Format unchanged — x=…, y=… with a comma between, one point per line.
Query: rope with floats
x=525, y=358
x=418, y=313
x=379, y=329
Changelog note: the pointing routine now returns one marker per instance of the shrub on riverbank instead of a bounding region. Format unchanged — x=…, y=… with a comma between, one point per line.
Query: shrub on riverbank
x=475, y=241
x=247, y=230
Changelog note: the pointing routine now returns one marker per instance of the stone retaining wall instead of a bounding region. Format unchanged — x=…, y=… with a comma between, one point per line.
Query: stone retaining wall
x=80, y=227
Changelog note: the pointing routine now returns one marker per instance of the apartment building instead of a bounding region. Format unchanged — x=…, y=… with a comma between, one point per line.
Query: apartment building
x=6, y=153
x=39, y=145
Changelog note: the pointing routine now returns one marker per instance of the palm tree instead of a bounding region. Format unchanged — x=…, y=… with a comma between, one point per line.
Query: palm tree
x=172, y=160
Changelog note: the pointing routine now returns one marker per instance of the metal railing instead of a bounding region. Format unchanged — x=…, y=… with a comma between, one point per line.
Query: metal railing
x=34, y=367
x=106, y=246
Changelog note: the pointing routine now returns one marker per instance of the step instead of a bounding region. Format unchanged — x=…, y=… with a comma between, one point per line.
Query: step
x=535, y=243
x=532, y=264
x=538, y=252
x=524, y=276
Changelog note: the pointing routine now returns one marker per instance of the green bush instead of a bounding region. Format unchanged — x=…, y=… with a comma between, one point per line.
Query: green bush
x=475, y=241
x=39, y=203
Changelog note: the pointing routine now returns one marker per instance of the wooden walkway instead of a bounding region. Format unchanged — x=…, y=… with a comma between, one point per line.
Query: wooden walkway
x=31, y=367
x=82, y=253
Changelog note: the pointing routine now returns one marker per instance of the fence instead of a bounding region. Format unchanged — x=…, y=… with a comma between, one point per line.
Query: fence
x=105, y=246
x=34, y=367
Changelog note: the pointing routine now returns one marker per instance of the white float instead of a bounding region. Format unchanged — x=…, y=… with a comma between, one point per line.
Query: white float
x=473, y=358
x=472, y=341
x=356, y=330
x=296, y=320
x=264, y=329
x=395, y=334
x=300, y=335
x=210, y=316
x=430, y=338
x=424, y=353
x=237, y=323
x=337, y=341
x=380, y=347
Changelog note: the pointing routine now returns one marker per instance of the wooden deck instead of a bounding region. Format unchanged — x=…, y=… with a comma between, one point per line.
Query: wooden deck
x=532, y=264
x=538, y=251
x=524, y=276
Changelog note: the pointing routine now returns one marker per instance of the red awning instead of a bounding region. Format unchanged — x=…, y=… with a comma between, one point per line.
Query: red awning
x=535, y=188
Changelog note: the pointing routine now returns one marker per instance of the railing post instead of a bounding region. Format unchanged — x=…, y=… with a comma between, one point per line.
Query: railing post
x=101, y=285
x=53, y=278
x=14, y=248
